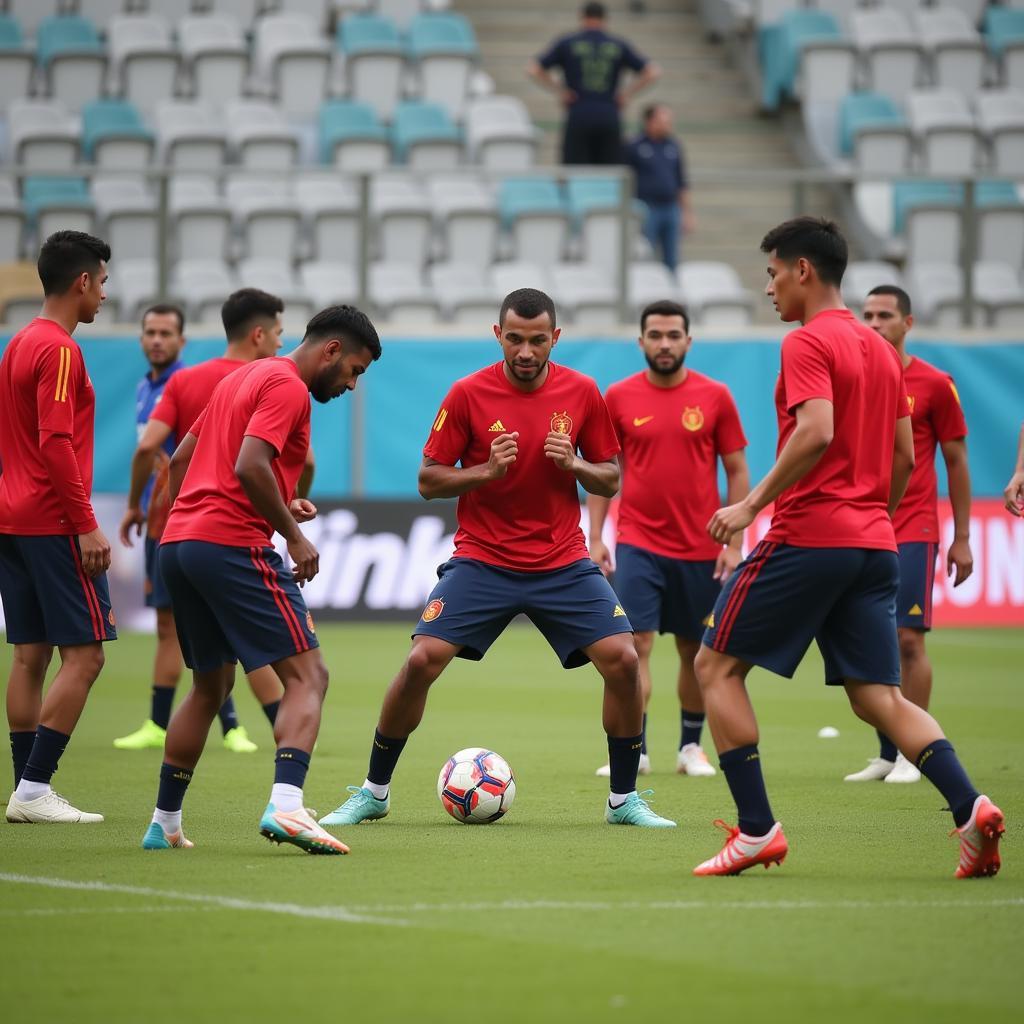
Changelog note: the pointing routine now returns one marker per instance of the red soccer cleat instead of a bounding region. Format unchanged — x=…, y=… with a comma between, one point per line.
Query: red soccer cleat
x=979, y=840
x=741, y=851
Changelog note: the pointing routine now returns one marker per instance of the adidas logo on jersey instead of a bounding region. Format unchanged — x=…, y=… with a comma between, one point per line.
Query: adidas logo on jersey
x=497, y=427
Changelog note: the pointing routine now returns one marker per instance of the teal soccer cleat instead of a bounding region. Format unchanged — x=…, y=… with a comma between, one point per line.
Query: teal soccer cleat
x=635, y=811
x=362, y=805
x=157, y=839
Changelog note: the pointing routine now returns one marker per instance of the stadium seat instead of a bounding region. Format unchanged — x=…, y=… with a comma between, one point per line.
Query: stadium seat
x=1000, y=116
x=892, y=55
x=351, y=137
x=780, y=45
x=508, y=276
x=650, y=281
x=874, y=133
x=128, y=220
x=465, y=292
x=203, y=284
x=1000, y=224
x=595, y=205
x=955, y=53
x=444, y=51
x=200, y=220
x=714, y=294
x=144, y=60
x=243, y=11
x=266, y=214
x=296, y=59
x=30, y=14
x=261, y=136
x=114, y=137
x=216, y=58
x=499, y=133
x=930, y=216
x=42, y=134
x=401, y=12
x=317, y=10
x=425, y=137
x=190, y=135
x=398, y=292
x=21, y=293
x=533, y=211
x=374, y=61
x=16, y=61
x=102, y=12
x=12, y=222
x=277, y=277
x=863, y=275
x=944, y=127
x=1004, y=30
x=1000, y=293
x=584, y=293
x=403, y=221
x=466, y=217
x=329, y=283
x=938, y=293
x=971, y=9
x=72, y=59
x=53, y=204
x=330, y=205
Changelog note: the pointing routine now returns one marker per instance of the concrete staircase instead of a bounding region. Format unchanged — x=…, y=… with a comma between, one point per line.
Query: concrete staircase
x=715, y=115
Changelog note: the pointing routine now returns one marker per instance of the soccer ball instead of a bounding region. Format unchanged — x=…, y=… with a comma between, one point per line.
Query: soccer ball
x=476, y=786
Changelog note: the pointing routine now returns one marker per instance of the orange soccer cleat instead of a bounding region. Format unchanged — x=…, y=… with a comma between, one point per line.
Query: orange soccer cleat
x=742, y=851
x=979, y=840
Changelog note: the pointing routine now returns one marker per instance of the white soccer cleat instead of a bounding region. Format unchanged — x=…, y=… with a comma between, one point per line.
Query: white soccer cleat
x=49, y=809
x=692, y=760
x=904, y=771
x=605, y=770
x=878, y=768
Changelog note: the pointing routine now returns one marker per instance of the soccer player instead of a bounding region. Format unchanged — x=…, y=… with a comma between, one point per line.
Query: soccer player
x=937, y=420
x=53, y=555
x=505, y=443
x=1013, y=495
x=252, y=323
x=827, y=569
x=668, y=571
x=232, y=483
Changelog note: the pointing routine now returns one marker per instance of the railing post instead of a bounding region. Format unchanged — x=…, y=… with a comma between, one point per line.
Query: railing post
x=625, y=244
x=969, y=251
x=163, y=235
x=363, y=269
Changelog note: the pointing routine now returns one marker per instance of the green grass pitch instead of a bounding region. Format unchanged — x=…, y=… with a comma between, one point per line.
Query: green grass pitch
x=548, y=915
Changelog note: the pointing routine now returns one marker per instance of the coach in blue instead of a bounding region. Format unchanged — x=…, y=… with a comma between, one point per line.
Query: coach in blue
x=592, y=62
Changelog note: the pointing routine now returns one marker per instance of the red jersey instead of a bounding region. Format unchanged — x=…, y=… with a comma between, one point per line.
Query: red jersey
x=44, y=391
x=843, y=501
x=936, y=414
x=528, y=520
x=671, y=439
x=188, y=392
x=265, y=399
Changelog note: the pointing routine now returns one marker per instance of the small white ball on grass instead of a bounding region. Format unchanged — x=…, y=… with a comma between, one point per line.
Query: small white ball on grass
x=828, y=732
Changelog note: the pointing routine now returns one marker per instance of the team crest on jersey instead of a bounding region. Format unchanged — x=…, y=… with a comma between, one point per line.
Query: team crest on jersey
x=309, y=622
x=910, y=402
x=432, y=610
x=561, y=423
x=693, y=418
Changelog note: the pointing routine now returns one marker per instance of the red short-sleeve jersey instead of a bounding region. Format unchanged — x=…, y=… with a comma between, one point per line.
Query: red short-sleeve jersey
x=265, y=399
x=937, y=416
x=843, y=501
x=188, y=391
x=529, y=520
x=44, y=389
x=671, y=440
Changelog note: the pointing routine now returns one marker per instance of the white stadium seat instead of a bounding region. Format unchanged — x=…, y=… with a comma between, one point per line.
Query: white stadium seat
x=200, y=220
x=261, y=137
x=296, y=59
x=892, y=55
x=1001, y=124
x=215, y=55
x=144, y=60
x=127, y=216
x=466, y=215
x=466, y=293
x=267, y=215
x=944, y=126
x=954, y=47
x=203, y=284
x=714, y=294
x=398, y=291
x=190, y=135
x=403, y=220
x=330, y=205
x=42, y=134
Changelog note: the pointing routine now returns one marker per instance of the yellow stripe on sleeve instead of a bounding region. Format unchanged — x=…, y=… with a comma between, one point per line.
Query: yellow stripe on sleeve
x=60, y=394
x=441, y=417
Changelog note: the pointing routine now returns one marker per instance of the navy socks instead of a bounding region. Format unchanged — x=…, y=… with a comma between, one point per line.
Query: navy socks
x=383, y=758
x=886, y=747
x=228, y=716
x=939, y=764
x=624, y=762
x=692, y=725
x=21, y=747
x=45, y=755
x=742, y=768
x=173, y=784
x=290, y=767
x=160, y=705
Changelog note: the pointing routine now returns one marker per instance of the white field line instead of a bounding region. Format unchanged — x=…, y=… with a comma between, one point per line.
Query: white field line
x=224, y=902
x=67, y=911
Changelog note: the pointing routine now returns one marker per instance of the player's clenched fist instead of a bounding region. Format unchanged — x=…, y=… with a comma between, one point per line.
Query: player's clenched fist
x=561, y=450
x=1014, y=495
x=305, y=559
x=302, y=510
x=504, y=449
x=730, y=520
x=95, y=549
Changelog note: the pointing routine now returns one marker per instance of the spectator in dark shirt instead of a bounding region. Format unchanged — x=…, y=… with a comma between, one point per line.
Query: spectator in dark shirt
x=592, y=62
x=657, y=159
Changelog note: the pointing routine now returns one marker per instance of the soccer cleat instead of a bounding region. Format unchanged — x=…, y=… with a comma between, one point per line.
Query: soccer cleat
x=979, y=841
x=741, y=851
x=300, y=829
x=635, y=811
x=157, y=839
x=362, y=805
x=605, y=770
x=692, y=760
x=237, y=741
x=904, y=771
x=150, y=735
x=49, y=809
x=878, y=768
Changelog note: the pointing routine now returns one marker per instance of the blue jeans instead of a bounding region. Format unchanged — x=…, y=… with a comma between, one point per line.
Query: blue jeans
x=661, y=227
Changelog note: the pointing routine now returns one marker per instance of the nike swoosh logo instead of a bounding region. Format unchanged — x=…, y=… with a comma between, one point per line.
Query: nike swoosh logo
x=639, y=421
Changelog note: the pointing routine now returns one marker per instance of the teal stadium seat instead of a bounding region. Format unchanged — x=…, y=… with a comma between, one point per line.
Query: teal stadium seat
x=1004, y=32
x=425, y=137
x=535, y=212
x=779, y=47
x=368, y=33
x=444, y=52
x=113, y=122
x=53, y=204
x=374, y=61
x=441, y=33
x=351, y=136
x=865, y=110
x=73, y=59
x=16, y=62
x=66, y=34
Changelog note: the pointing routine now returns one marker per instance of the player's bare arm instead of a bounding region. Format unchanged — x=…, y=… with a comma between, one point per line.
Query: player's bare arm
x=597, y=508
x=959, y=559
x=1013, y=496
x=548, y=81
x=179, y=465
x=143, y=464
x=436, y=480
x=302, y=488
x=737, y=478
x=601, y=478
x=256, y=475
x=902, y=462
x=806, y=445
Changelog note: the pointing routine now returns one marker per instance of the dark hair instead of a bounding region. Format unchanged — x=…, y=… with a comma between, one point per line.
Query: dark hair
x=346, y=323
x=594, y=10
x=164, y=309
x=902, y=298
x=67, y=254
x=528, y=303
x=664, y=307
x=245, y=306
x=650, y=110
x=814, y=239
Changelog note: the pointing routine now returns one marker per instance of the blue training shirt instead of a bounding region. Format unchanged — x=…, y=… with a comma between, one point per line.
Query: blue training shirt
x=146, y=396
x=660, y=168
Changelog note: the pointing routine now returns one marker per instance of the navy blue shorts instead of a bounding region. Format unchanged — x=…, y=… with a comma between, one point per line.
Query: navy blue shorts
x=156, y=591
x=473, y=602
x=234, y=604
x=47, y=597
x=665, y=594
x=783, y=597
x=917, y=578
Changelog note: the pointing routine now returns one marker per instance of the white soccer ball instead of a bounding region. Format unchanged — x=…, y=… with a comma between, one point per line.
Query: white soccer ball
x=476, y=786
